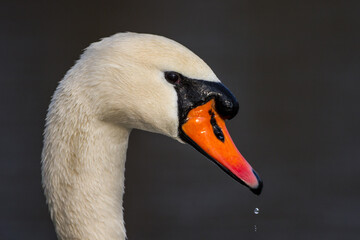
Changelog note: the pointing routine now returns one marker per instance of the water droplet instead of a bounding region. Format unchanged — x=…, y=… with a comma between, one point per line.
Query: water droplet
x=256, y=211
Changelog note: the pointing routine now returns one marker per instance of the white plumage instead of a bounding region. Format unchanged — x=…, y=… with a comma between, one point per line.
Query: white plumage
x=117, y=85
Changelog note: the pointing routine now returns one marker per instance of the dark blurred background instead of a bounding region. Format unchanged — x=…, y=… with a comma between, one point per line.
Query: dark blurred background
x=294, y=67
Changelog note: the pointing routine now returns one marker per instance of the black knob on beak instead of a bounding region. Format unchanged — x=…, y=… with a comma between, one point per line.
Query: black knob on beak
x=225, y=103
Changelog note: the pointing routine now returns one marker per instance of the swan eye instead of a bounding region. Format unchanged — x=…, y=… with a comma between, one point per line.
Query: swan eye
x=173, y=77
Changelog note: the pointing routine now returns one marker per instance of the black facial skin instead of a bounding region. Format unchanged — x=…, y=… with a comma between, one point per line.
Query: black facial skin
x=193, y=93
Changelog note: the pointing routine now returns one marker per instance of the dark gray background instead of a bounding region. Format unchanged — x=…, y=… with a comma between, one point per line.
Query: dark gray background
x=294, y=67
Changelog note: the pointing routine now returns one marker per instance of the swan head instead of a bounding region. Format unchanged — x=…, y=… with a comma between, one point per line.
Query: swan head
x=155, y=84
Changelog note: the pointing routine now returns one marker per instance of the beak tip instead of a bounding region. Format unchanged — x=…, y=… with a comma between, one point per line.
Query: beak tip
x=258, y=189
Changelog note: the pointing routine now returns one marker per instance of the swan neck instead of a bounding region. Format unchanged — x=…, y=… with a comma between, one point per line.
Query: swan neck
x=83, y=169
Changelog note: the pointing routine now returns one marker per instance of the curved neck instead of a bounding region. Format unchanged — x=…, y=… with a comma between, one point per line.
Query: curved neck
x=83, y=176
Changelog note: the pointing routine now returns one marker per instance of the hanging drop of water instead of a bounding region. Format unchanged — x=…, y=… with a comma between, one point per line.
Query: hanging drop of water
x=256, y=211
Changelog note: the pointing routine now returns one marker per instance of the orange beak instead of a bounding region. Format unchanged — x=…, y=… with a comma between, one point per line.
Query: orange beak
x=206, y=131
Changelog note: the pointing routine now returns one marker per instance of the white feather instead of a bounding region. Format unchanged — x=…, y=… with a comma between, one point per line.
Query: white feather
x=117, y=85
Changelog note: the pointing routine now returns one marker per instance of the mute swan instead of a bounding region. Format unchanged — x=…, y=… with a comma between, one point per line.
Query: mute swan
x=123, y=82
